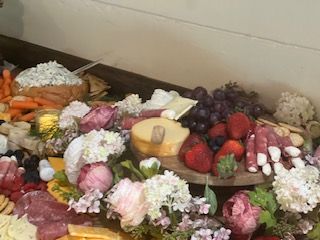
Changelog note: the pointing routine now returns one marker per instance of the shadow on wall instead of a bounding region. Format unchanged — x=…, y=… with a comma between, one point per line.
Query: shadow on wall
x=11, y=18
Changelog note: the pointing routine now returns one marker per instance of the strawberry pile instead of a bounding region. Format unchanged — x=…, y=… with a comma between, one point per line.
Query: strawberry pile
x=220, y=149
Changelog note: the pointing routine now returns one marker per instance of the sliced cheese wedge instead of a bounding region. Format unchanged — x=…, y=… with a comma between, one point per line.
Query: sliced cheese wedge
x=174, y=136
x=56, y=163
x=92, y=232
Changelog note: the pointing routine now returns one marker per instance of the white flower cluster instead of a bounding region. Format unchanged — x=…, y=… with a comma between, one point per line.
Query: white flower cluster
x=297, y=189
x=206, y=234
x=132, y=104
x=74, y=110
x=88, y=203
x=47, y=74
x=294, y=109
x=99, y=145
x=166, y=190
x=160, y=98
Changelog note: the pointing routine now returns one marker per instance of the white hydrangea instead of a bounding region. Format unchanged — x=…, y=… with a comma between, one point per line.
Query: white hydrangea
x=166, y=190
x=160, y=98
x=132, y=104
x=297, y=189
x=74, y=110
x=99, y=145
x=294, y=109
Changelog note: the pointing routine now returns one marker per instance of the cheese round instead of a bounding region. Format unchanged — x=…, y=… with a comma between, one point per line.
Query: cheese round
x=174, y=136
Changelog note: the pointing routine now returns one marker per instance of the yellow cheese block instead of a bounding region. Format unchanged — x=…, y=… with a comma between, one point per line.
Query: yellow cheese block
x=5, y=116
x=54, y=194
x=69, y=237
x=92, y=232
x=56, y=163
x=174, y=136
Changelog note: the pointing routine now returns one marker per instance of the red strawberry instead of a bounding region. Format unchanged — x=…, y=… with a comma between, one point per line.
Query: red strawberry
x=238, y=125
x=267, y=238
x=219, y=129
x=232, y=147
x=191, y=140
x=42, y=186
x=15, y=196
x=18, y=182
x=199, y=158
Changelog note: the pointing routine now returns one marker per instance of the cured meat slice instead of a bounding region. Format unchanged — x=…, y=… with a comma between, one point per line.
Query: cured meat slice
x=128, y=122
x=151, y=113
x=7, y=181
x=51, y=218
x=273, y=146
x=261, y=143
x=251, y=156
x=4, y=167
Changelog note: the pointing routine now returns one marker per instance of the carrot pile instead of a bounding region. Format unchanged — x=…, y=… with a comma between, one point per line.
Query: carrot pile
x=21, y=108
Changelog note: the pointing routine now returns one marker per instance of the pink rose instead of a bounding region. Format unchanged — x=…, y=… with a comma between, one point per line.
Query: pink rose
x=100, y=117
x=128, y=199
x=95, y=176
x=241, y=217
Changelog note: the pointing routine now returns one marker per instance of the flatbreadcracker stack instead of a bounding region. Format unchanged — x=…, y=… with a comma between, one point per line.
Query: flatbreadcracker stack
x=144, y=140
x=50, y=81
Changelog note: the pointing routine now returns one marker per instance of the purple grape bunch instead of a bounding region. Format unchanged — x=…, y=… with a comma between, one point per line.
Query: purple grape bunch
x=218, y=106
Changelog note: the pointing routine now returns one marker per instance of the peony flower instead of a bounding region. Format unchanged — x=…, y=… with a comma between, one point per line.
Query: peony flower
x=127, y=198
x=149, y=167
x=74, y=110
x=100, y=117
x=241, y=217
x=95, y=176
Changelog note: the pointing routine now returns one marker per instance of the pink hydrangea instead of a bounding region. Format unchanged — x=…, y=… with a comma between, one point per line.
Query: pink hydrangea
x=241, y=217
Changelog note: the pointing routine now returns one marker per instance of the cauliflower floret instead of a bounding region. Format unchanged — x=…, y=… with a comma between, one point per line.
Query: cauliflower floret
x=294, y=109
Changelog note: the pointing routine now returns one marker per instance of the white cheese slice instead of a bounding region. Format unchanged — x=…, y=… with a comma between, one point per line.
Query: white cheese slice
x=3, y=144
x=180, y=106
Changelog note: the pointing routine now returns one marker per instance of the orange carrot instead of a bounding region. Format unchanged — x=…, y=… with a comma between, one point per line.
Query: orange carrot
x=27, y=117
x=16, y=118
x=6, y=99
x=6, y=90
x=14, y=112
x=6, y=74
x=1, y=82
x=51, y=106
x=24, y=104
x=43, y=101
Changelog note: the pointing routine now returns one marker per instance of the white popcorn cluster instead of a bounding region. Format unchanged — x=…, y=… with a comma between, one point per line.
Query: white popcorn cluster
x=130, y=105
x=297, y=190
x=294, y=109
x=166, y=190
x=47, y=74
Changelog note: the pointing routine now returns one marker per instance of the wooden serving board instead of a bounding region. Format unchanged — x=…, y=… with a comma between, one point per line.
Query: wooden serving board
x=241, y=178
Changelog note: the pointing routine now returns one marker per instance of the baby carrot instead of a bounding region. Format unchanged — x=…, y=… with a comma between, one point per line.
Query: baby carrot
x=6, y=75
x=27, y=117
x=1, y=82
x=43, y=101
x=14, y=112
x=24, y=104
x=6, y=90
x=6, y=99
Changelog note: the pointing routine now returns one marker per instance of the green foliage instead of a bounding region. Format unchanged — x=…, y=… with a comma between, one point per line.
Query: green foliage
x=129, y=165
x=62, y=178
x=227, y=166
x=63, y=181
x=266, y=200
x=314, y=234
x=211, y=199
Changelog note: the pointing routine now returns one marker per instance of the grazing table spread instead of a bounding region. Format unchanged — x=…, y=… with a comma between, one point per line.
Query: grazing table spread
x=76, y=163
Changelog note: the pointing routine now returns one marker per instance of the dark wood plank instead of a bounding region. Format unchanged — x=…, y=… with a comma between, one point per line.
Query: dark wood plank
x=26, y=55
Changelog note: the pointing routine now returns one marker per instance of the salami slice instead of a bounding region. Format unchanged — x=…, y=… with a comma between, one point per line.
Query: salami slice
x=273, y=146
x=151, y=113
x=128, y=122
x=261, y=143
x=251, y=156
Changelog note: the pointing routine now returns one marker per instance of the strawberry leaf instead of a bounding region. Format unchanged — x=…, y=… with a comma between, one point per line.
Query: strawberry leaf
x=211, y=199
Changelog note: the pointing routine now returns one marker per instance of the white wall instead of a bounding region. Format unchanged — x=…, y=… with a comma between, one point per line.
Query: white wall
x=265, y=45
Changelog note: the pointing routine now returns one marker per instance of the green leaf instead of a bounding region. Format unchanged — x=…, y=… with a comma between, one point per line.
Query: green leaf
x=62, y=178
x=129, y=165
x=211, y=199
x=262, y=198
x=267, y=218
x=314, y=234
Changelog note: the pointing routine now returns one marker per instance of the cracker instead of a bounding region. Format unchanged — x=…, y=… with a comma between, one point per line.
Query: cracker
x=291, y=128
x=4, y=204
x=286, y=131
x=2, y=198
x=268, y=122
x=278, y=131
x=296, y=139
x=9, y=208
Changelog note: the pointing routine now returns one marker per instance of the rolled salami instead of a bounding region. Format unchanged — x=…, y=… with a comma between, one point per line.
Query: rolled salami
x=261, y=143
x=251, y=156
x=273, y=146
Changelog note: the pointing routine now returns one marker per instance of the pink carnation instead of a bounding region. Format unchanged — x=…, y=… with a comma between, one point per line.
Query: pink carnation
x=95, y=176
x=128, y=200
x=241, y=217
